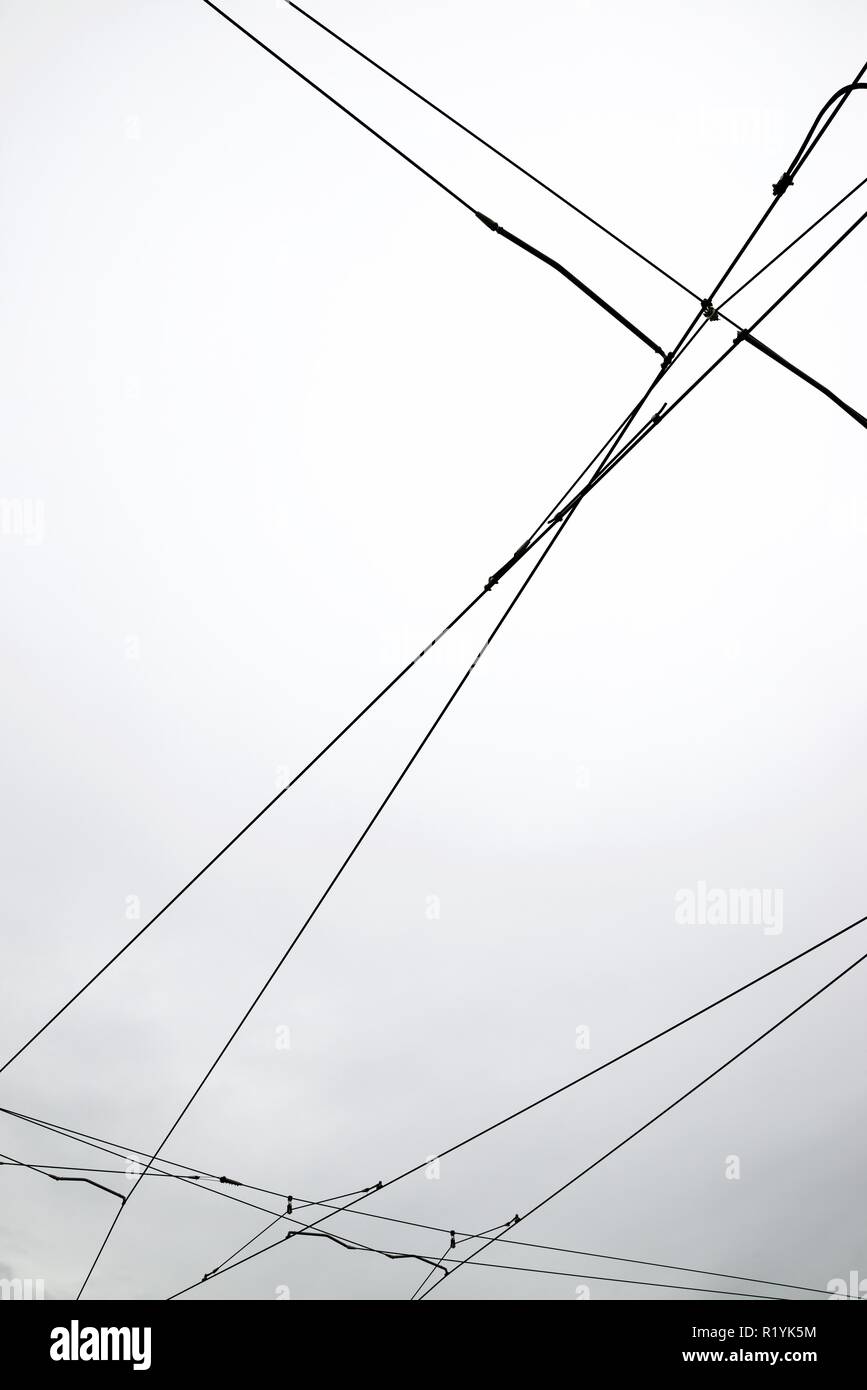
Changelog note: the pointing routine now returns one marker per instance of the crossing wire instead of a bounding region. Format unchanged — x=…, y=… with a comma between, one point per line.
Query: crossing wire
x=504, y=569
x=559, y=531
x=444, y=187
x=353, y=1207
x=799, y=159
x=78, y=1137
x=668, y=1108
x=557, y=528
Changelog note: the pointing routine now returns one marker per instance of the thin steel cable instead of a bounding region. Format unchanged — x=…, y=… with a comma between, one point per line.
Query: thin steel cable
x=679, y=1101
x=123, y=1151
x=444, y=187
x=595, y=1071
x=559, y=522
x=369, y=826
x=794, y=242
x=520, y=1269
x=513, y=163
x=243, y=831
x=522, y=550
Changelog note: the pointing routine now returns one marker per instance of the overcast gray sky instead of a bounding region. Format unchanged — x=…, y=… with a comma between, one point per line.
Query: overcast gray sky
x=278, y=408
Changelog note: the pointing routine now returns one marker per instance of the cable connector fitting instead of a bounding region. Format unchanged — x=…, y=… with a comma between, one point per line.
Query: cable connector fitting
x=783, y=182
x=451, y=1240
x=709, y=311
x=504, y=569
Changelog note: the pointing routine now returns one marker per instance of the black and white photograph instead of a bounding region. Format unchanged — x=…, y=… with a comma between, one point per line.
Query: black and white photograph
x=433, y=546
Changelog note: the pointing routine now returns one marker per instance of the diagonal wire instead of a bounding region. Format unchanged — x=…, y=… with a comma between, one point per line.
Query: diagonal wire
x=445, y=1260
x=603, y=1066
x=489, y=223
x=522, y=550
x=243, y=831
x=122, y=1151
x=492, y=148
x=323, y=896
x=679, y=1101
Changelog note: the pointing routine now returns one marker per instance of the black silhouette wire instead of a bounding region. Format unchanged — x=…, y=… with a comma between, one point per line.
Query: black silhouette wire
x=595, y=1071
x=9, y=1161
x=560, y=518
x=564, y=519
x=802, y=154
x=444, y=187
x=668, y=1108
x=121, y=1151
x=518, y=554
x=556, y=528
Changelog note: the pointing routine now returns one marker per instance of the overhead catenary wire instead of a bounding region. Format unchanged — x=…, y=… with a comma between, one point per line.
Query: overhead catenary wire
x=557, y=527
x=489, y=222
x=498, y=574
x=568, y=513
x=840, y=98
x=240, y=833
x=782, y=361
x=49, y=1168
x=590, y=1167
x=196, y=1176
x=324, y=895
x=804, y=376
x=603, y=1066
x=559, y=531
x=440, y=111
x=742, y=335
x=617, y=434
x=555, y=265
x=547, y=188
x=778, y=190
x=518, y=1269
x=332, y=742
x=515, y=599
x=683, y=344
x=53, y=1177
x=564, y=508
x=444, y=187
x=789, y=245
x=799, y=158
x=346, y=861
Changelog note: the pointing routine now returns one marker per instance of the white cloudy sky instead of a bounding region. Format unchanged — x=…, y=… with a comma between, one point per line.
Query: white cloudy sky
x=286, y=407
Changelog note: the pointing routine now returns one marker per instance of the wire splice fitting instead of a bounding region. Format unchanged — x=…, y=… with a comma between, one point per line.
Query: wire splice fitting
x=783, y=182
x=489, y=222
x=504, y=569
